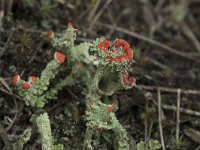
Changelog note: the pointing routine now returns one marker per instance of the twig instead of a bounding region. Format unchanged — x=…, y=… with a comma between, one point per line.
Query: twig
x=182, y=110
x=84, y=40
x=83, y=14
x=198, y=148
x=93, y=11
x=159, y=5
x=146, y=125
x=36, y=51
x=169, y=90
x=15, y=117
x=100, y=13
x=114, y=23
x=9, y=93
x=4, y=136
x=157, y=63
x=160, y=119
x=191, y=56
x=150, y=129
x=188, y=32
x=169, y=107
x=3, y=81
x=9, y=5
x=2, y=12
x=165, y=106
x=68, y=90
x=178, y=114
x=6, y=44
x=193, y=134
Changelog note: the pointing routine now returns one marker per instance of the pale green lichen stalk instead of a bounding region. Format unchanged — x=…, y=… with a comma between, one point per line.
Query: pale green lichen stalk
x=39, y=92
x=44, y=128
x=34, y=96
x=111, y=75
x=24, y=138
x=101, y=116
x=112, y=61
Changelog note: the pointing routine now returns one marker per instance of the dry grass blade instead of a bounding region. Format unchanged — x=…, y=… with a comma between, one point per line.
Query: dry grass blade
x=100, y=13
x=193, y=134
x=4, y=137
x=146, y=127
x=93, y=11
x=4, y=83
x=10, y=93
x=178, y=114
x=2, y=12
x=169, y=90
x=14, y=99
x=188, y=32
x=160, y=119
x=7, y=43
x=182, y=110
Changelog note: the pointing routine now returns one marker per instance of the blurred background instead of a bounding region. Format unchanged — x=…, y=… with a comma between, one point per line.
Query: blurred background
x=164, y=36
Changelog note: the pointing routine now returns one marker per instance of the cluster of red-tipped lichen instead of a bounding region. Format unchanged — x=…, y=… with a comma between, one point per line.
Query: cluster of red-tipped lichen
x=50, y=34
x=25, y=85
x=118, y=45
x=109, y=108
x=59, y=57
x=128, y=81
x=70, y=25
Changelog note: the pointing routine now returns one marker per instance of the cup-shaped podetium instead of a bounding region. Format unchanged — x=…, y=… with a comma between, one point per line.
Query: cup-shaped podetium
x=91, y=103
x=127, y=81
x=118, y=51
x=109, y=109
x=59, y=57
x=26, y=86
x=33, y=79
x=132, y=81
x=15, y=79
x=50, y=34
x=70, y=25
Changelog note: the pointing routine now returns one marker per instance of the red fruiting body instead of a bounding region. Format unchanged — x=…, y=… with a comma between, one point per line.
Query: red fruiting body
x=104, y=46
x=50, y=34
x=85, y=112
x=125, y=79
x=76, y=30
x=26, y=86
x=132, y=81
x=29, y=127
x=109, y=109
x=33, y=79
x=69, y=25
x=15, y=79
x=126, y=49
x=91, y=103
x=117, y=44
x=59, y=57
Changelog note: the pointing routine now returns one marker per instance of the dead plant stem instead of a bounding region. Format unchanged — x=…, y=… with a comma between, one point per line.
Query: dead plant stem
x=160, y=119
x=178, y=114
